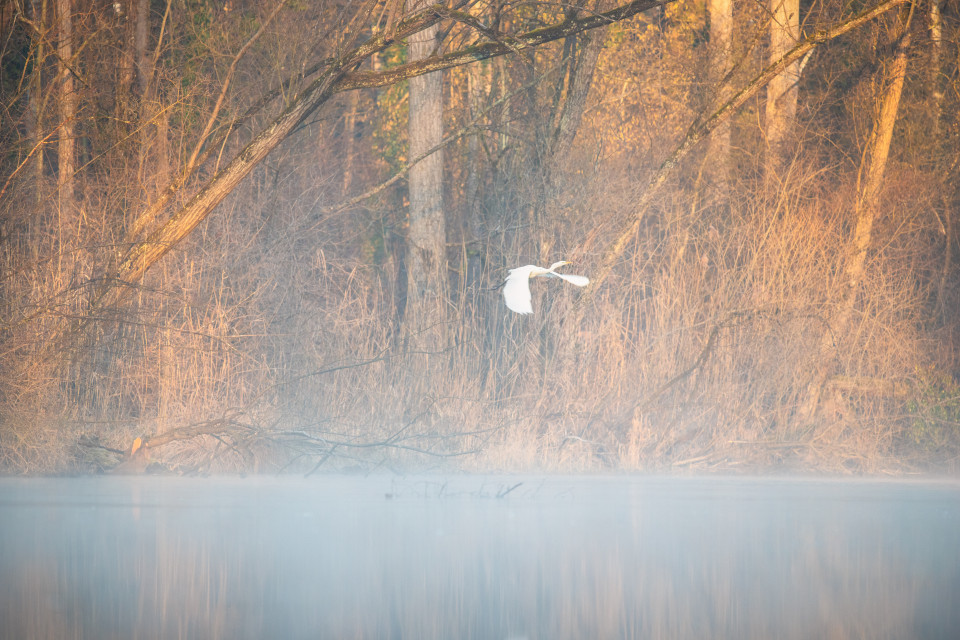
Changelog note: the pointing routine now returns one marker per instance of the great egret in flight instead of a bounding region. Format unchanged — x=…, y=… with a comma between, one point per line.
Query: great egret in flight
x=516, y=289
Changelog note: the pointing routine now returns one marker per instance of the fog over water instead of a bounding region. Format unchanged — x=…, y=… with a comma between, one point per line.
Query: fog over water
x=478, y=557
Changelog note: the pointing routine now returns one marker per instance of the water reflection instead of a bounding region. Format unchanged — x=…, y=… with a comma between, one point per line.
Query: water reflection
x=555, y=558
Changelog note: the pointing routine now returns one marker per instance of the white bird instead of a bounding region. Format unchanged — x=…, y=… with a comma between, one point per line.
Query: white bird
x=516, y=288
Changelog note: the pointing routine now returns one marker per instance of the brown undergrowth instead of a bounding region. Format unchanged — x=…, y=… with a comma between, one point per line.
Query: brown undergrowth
x=284, y=355
x=272, y=339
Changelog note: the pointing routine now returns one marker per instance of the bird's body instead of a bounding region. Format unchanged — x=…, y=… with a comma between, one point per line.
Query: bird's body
x=516, y=288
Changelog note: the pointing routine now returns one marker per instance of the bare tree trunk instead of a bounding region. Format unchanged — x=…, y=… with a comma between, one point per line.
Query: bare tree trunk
x=154, y=152
x=721, y=30
x=936, y=52
x=140, y=37
x=349, y=140
x=162, y=161
x=946, y=310
x=426, y=233
x=869, y=185
x=475, y=226
x=167, y=380
x=127, y=12
x=874, y=163
x=66, y=150
x=781, y=107
x=504, y=114
x=38, y=9
x=589, y=54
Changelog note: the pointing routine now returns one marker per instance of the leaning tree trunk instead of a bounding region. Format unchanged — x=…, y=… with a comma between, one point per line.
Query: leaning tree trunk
x=869, y=184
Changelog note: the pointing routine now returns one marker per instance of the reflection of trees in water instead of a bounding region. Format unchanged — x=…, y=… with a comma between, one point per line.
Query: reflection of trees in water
x=557, y=558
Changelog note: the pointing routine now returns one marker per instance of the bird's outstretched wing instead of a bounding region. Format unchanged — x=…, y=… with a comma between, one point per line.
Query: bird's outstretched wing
x=580, y=281
x=516, y=291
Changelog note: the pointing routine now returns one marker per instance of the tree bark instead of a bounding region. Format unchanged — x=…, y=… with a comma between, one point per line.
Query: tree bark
x=426, y=231
x=349, y=142
x=475, y=224
x=721, y=30
x=154, y=119
x=38, y=10
x=781, y=106
x=140, y=36
x=66, y=149
x=936, y=52
x=590, y=46
x=127, y=13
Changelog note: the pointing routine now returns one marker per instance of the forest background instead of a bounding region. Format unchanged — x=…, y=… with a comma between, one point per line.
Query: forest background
x=267, y=236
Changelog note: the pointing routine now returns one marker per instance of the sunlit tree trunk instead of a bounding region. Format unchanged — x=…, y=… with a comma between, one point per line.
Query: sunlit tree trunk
x=869, y=184
x=721, y=29
x=936, y=52
x=66, y=149
x=874, y=163
x=781, y=106
x=426, y=232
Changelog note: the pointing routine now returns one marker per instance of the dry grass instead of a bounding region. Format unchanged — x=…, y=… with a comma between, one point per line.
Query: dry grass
x=264, y=346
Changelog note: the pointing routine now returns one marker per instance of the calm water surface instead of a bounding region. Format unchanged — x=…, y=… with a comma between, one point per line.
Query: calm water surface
x=478, y=557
